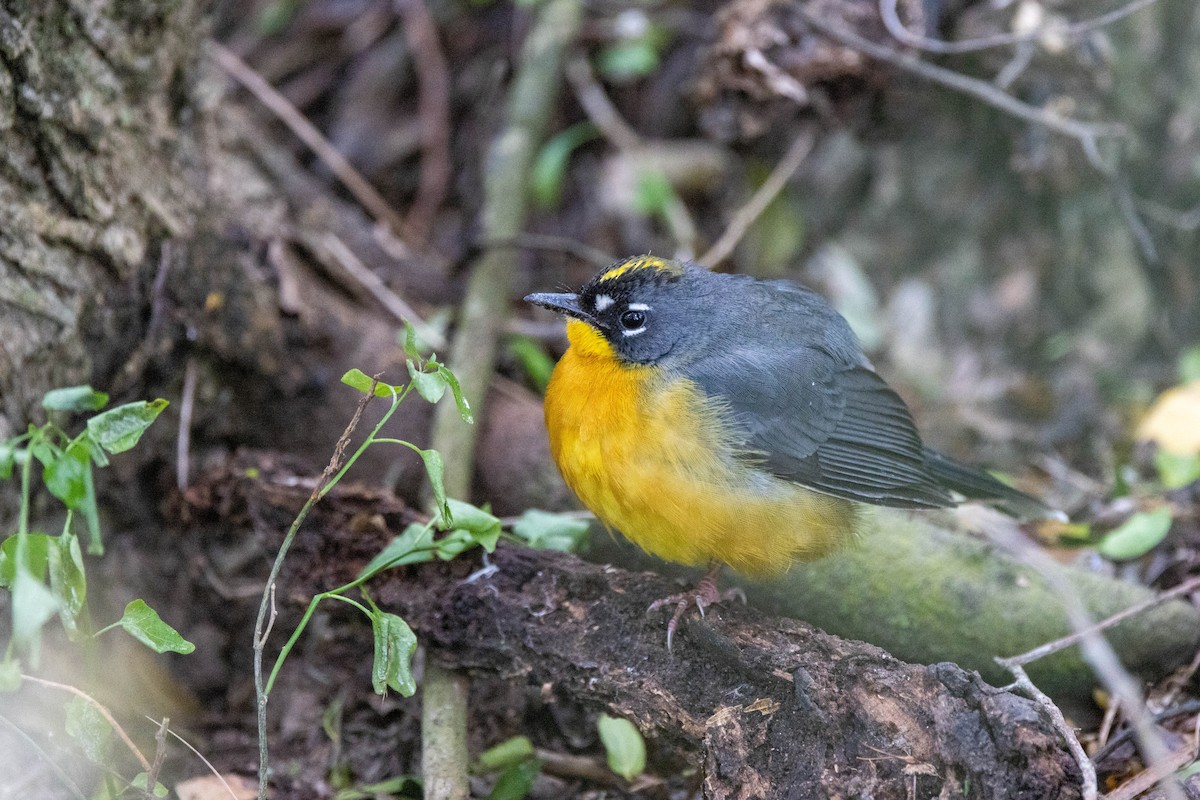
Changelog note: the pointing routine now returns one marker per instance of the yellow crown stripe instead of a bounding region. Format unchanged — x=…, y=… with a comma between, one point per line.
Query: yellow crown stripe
x=641, y=262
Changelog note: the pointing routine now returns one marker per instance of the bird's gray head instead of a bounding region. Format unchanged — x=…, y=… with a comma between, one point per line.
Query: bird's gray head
x=650, y=310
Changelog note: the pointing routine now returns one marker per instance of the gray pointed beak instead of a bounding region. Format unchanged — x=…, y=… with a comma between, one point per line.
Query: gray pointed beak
x=565, y=303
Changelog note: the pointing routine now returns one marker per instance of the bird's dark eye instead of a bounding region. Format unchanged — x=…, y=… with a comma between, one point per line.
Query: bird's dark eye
x=632, y=320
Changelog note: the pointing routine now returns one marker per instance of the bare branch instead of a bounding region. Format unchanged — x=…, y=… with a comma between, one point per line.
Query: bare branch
x=891, y=20
x=745, y=216
x=1086, y=133
x=338, y=164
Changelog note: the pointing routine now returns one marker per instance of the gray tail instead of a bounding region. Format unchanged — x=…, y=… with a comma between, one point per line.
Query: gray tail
x=975, y=484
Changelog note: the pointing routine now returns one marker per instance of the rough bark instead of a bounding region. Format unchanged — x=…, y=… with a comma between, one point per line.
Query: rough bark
x=94, y=163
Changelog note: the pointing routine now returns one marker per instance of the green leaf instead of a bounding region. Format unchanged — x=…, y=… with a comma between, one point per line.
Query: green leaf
x=516, y=781
x=550, y=167
x=434, y=468
x=652, y=193
x=1175, y=470
x=411, y=347
x=277, y=15
x=504, y=755
x=387, y=788
x=119, y=429
x=407, y=548
x=32, y=607
x=624, y=745
x=74, y=398
x=1189, y=365
x=331, y=721
x=8, y=457
x=139, y=783
x=357, y=379
x=64, y=475
x=624, y=61
x=69, y=477
x=534, y=359
x=395, y=644
x=430, y=385
x=547, y=531
x=88, y=726
x=143, y=623
x=33, y=548
x=483, y=528
x=42, y=449
x=1137, y=536
x=464, y=408
x=91, y=513
x=10, y=675
x=68, y=583
x=454, y=544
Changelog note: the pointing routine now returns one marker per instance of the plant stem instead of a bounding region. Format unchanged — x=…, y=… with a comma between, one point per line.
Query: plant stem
x=329, y=478
x=485, y=306
x=482, y=313
x=444, y=757
x=23, y=514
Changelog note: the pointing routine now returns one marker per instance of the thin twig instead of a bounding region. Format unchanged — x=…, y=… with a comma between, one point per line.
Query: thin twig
x=298, y=124
x=1127, y=205
x=433, y=109
x=183, y=440
x=745, y=216
x=1078, y=636
x=207, y=763
x=599, y=109
x=1106, y=724
x=104, y=712
x=605, y=116
x=1154, y=773
x=1086, y=768
x=554, y=244
x=392, y=302
x=1095, y=649
x=160, y=753
x=891, y=20
x=1086, y=133
x=262, y=627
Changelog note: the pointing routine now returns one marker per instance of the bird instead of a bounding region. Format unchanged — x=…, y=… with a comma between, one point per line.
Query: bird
x=722, y=420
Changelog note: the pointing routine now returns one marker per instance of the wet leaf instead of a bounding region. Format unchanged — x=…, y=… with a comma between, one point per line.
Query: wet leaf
x=504, y=755
x=357, y=379
x=516, y=781
x=143, y=623
x=1137, y=536
x=35, y=555
x=395, y=644
x=74, y=398
x=548, y=531
x=624, y=745
x=407, y=548
x=87, y=725
x=119, y=429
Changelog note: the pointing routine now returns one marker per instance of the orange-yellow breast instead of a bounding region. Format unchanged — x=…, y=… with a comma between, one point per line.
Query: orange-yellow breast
x=657, y=462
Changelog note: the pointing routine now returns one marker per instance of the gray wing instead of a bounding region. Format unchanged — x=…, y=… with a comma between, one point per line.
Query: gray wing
x=816, y=419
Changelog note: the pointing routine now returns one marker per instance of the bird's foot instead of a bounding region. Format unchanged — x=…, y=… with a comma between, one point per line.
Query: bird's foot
x=704, y=595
